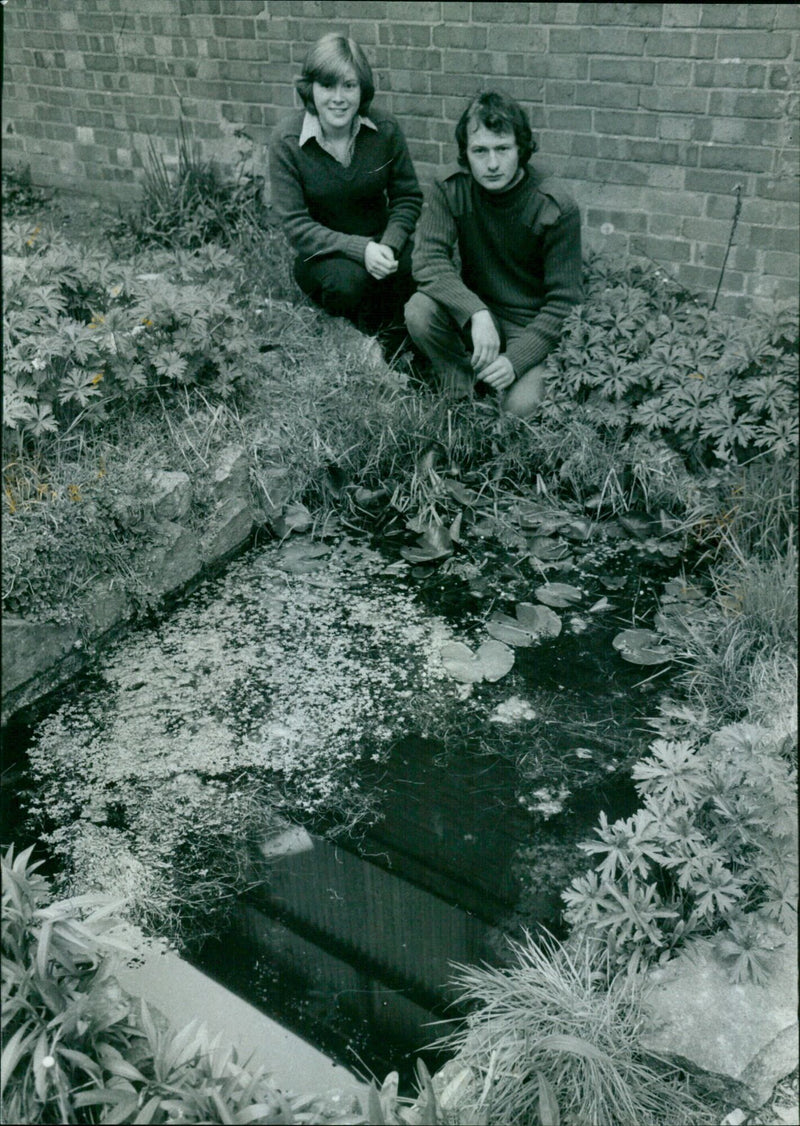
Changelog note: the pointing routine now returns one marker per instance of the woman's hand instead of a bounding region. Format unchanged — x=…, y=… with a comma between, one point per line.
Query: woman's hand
x=379, y=260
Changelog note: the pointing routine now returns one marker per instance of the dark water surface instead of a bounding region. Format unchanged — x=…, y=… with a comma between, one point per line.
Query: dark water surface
x=352, y=942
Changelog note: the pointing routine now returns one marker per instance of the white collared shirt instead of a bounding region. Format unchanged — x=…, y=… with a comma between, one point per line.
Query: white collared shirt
x=312, y=128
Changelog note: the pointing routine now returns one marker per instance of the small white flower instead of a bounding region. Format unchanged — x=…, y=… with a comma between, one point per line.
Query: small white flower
x=48, y=1061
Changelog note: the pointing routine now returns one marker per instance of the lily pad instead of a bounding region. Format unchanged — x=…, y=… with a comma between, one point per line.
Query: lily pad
x=300, y=558
x=531, y=624
x=491, y=662
x=642, y=647
x=435, y=544
x=558, y=594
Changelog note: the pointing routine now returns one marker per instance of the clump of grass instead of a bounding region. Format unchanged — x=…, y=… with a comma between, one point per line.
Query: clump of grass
x=549, y=1040
x=747, y=637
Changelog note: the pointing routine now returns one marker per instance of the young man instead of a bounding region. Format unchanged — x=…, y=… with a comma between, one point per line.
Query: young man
x=518, y=237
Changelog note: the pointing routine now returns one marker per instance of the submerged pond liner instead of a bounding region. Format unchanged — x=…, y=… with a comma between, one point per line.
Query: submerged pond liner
x=465, y=805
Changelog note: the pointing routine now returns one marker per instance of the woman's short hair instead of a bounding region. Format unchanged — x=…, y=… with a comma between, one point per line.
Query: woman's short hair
x=500, y=114
x=327, y=62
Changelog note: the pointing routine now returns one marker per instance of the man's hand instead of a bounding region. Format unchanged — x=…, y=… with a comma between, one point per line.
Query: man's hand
x=485, y=339
x=499, y=374
x=379, y=260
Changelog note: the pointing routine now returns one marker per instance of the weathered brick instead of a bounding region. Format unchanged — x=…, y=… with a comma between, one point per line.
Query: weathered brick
x=405, y=34
x=610, y=94
x=501, y=12
x=663, y=225
x=621, y=15
x=676, y=128
x=741, y=74
x=755, y=45
x=413, y=58
x=702, y=180
x=681, y=15
x=622, y=220
x=674, y=100
x=663, y=249
x=516, y=39
x=738, y=156
x=622, y=70
x=457, y=35
x=631, y=124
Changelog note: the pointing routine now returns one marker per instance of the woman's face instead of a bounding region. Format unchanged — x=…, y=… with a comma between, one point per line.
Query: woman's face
x=338, y=104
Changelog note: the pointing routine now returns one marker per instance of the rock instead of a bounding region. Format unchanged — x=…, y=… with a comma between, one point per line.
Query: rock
x=31, y=648
x=739, y=1040
x=230, y=525
x=106, y=607
x=171, y=495
x=232, y=475
x=172, y=562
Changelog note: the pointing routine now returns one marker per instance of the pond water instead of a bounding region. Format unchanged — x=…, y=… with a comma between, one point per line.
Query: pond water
x=437, y=816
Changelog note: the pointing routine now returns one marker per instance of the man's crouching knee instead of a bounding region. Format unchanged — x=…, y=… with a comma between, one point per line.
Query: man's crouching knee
x=525, y=394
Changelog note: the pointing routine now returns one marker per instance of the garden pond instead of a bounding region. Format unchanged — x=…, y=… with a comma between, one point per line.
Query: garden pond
x=415, y=805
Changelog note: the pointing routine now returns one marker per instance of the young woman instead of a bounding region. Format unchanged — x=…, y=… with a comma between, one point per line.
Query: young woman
x=345, y=189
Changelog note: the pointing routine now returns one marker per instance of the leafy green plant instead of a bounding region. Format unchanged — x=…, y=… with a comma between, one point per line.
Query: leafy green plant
x=196, y=203
x=78, y=1049
x=643, y=361
x=20, y=195
x=711, y=852
x=85, y=336
x=550, y=1039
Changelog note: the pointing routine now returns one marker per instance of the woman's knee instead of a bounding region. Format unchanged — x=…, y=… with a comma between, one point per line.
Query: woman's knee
x=337, y=284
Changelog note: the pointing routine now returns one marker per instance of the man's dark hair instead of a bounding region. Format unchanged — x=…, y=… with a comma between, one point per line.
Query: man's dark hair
x=327, y=61
x=500, y=114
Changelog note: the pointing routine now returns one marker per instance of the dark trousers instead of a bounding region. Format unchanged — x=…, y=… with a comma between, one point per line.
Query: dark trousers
x=344, y=289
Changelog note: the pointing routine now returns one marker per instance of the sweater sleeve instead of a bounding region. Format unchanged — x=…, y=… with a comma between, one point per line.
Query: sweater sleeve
x=404, y=196
x=308, y=238
x=433, y=259
x=563, y=282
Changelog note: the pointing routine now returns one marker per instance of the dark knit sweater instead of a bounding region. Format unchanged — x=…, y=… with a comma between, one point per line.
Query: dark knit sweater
x=326, y=208
x=520, y=254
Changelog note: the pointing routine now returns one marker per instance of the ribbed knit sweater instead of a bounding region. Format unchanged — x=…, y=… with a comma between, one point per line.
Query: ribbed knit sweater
x=520, y=254
x=326, y=208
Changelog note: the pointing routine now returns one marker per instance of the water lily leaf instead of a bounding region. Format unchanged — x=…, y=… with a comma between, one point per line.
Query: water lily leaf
x=507, y=629
x=600, y=605
x=532, y=623
x=558, y=594
x=546, y=548
x=538, y=619
x=495, y=659
x=681, y=591
x=302, y=558
x=613, y=582
x=436, y=543
x=491, y=662
x=642, y=647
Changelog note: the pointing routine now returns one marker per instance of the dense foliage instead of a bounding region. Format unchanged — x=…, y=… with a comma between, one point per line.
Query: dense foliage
x=77, y=1049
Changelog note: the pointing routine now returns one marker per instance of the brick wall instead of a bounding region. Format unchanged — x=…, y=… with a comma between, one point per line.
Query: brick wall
x=652, y=113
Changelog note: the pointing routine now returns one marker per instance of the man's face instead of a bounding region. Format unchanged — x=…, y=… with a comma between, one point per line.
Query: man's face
x=493, y=158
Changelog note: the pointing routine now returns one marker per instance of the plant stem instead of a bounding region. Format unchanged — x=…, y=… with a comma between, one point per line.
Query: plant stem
x=736, y=210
